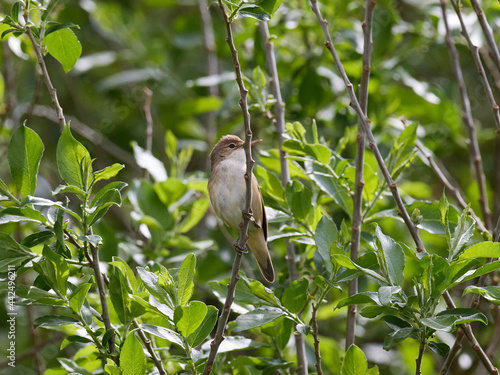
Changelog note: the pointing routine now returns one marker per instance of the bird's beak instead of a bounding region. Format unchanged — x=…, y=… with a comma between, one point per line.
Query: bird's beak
x=255, y=142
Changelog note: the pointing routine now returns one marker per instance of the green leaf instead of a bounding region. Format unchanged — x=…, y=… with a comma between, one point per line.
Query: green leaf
x=61, y=189
x=395, y=322
x=59, y=26
x=101, y=205
x=270, y=6
x=16, y=215
x=64, y=46
x=188, y=318
x=119, y=290
x=37, y=238
x=394, y=338
x=108, y=172
x=439, y=348
x=483, y=270
x=271, y=185
x=326, y=234
x=447, y=320
x=24, y=154
x=256, y=318
x=253, y=11
x=54, y=320
x=73, y=160
x=77, y=297
x=358, y=299
x=462, y=234
x=491, y=293
x=186, y=276
x=265, y=294
x=58, y=268
x=485, y=249
x=39, y=296
x=132, y=357
x=295, y=296
x=346, y=262
x=196, y=213
x=299, y=199
x=204, y=329
x=150, y=281
x=72, y=339
x=394, y=258
x=164, y=333
x=355, y=362
x=279, y=330
x=403, y=151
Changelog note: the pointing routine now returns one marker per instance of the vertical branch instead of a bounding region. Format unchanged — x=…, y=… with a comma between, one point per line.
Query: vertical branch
x=316, y=339
x=213, y=66
x=488, y=33
x=367, y=128
x=9, y=75
x=479, y=66
x=241, y=243
x=149, y=124
x=147, y=343
x=94, y=263
x=357, y=217
x=279, y=122
x=475, y=154
x=46, y=79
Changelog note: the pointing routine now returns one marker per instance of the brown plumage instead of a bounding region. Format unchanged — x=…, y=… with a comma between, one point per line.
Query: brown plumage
x=227, y=191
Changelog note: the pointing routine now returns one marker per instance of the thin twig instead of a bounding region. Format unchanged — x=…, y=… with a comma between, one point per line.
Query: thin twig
x=479, y=65
x=475, y=153
x=46, y=78
x=366, y=125
x=147, y=343
x=104, y=303
x=467, y=330
x=418, y=367
x=149, y=124
x=241, y=244
x=488, y=33
x=359, y=183
x=441, y=174
x=491, y=66
x=279, y=121
x=317, y=353
x=9, y=75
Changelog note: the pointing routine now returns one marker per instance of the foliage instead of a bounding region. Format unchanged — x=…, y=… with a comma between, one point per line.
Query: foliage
x=116, y=272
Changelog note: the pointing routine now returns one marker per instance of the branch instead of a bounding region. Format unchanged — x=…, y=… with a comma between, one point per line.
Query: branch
x=147, y=343
x=491, y=66
x=359, y=183
x=316, y=339
x=441, y=174
x=479, y=66
x=46, y=78
x=475, y=154
x=104, y=303
x=488, y=33
x=365, y=122
x=241, y=244
x=467, y=330
x=279, y=121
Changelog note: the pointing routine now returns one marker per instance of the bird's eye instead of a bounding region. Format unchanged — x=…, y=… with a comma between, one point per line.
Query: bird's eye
x=232, y=145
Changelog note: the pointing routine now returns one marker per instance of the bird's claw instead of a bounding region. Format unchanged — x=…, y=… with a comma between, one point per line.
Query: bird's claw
x=239, y=249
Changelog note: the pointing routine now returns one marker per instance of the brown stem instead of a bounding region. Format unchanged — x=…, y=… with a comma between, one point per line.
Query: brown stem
x=104, y=303
x=241, y=244
x=491, y=66
x=46, y=79
x=488, y=33
x=317, y=353
x=357, y=217
x=479, y=66
x=147, y=343
x=475, y=154
x=421, y=348
x=467, y=330
x=367, y=128
x=279, y=121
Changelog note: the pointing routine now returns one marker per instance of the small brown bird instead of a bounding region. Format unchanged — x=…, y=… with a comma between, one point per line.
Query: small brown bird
x=227, y=190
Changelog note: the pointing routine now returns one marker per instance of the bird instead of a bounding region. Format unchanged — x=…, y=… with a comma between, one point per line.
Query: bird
x=227, y=192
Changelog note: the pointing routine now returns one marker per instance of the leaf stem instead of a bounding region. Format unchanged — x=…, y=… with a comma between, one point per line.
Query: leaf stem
x=147, y=343
x=316, y=338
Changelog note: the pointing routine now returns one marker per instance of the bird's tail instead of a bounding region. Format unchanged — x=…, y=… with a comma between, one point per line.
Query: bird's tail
x=258, y=246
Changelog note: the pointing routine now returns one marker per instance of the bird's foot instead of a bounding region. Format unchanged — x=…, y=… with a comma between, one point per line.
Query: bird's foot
x=239, y=249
